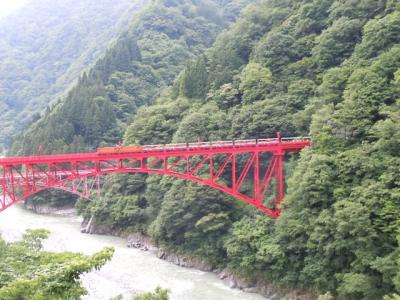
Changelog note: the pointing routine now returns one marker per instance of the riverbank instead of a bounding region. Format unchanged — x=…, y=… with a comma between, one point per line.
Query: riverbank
x=42, y=209
x=145, y=243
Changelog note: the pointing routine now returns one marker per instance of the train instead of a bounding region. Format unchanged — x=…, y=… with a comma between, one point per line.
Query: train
x=119, y=149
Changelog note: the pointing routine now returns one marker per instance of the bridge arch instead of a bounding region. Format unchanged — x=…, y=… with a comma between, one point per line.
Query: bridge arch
x=83, y=189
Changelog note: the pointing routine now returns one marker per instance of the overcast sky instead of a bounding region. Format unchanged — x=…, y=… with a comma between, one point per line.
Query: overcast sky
x=7, y=6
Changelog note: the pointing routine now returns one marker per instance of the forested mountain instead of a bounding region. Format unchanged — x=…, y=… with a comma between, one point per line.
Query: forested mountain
x=145, y=59
x=327, y=68
x=45, y=46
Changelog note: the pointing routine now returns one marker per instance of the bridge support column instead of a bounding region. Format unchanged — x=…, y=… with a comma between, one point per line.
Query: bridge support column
x=256, y=192
x=279, y=179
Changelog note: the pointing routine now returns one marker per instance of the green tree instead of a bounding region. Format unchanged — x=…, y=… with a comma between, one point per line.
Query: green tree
x=194, y=219
x=337, y=42
x=158, y=294
x=255, y=81
x=275, y=51
x=194, y=79
x=379, y=34
x=27, y=272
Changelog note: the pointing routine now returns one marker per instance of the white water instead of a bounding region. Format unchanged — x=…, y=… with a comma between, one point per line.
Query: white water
x=130, y=270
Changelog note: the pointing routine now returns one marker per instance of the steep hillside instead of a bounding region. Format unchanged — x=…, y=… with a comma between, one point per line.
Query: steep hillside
x=145, y=59
x=327, y=68
x=45, y=46
x=142, y=62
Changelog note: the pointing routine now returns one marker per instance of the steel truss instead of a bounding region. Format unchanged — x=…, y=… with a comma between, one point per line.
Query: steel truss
x=250, y=170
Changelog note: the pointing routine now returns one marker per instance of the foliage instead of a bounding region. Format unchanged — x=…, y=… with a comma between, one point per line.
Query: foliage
x=195, y=219
x=158, y=294
x=27, y=272
x=254, y=82
x=44, y=47
x=145, y=58
x=308, y=72
x=326, y=68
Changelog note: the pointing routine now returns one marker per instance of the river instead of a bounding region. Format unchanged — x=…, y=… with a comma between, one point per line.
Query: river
x=129, y=271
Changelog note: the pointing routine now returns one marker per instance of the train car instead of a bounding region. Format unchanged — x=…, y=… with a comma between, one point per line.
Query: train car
x=127, y=149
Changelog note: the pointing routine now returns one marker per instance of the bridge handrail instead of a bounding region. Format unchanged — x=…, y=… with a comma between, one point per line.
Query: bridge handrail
x=151, y=147
x=219, y=144
x=267, y=141
x=297, y=138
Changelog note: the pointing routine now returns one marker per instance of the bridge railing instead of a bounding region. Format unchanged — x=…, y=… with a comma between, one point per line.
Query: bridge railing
x=222, y=144
x=296, y=139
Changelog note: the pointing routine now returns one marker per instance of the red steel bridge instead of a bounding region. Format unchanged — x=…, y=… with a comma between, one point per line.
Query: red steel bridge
x=249, y=170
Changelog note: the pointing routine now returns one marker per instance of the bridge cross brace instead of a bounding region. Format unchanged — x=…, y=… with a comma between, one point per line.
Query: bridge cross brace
x=186, y=167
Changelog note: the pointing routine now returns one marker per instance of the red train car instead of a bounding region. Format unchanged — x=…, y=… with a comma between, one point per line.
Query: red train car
x=127, y=149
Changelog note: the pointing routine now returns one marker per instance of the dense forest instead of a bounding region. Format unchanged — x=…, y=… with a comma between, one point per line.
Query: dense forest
x=45, y=46
x=329, y=69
